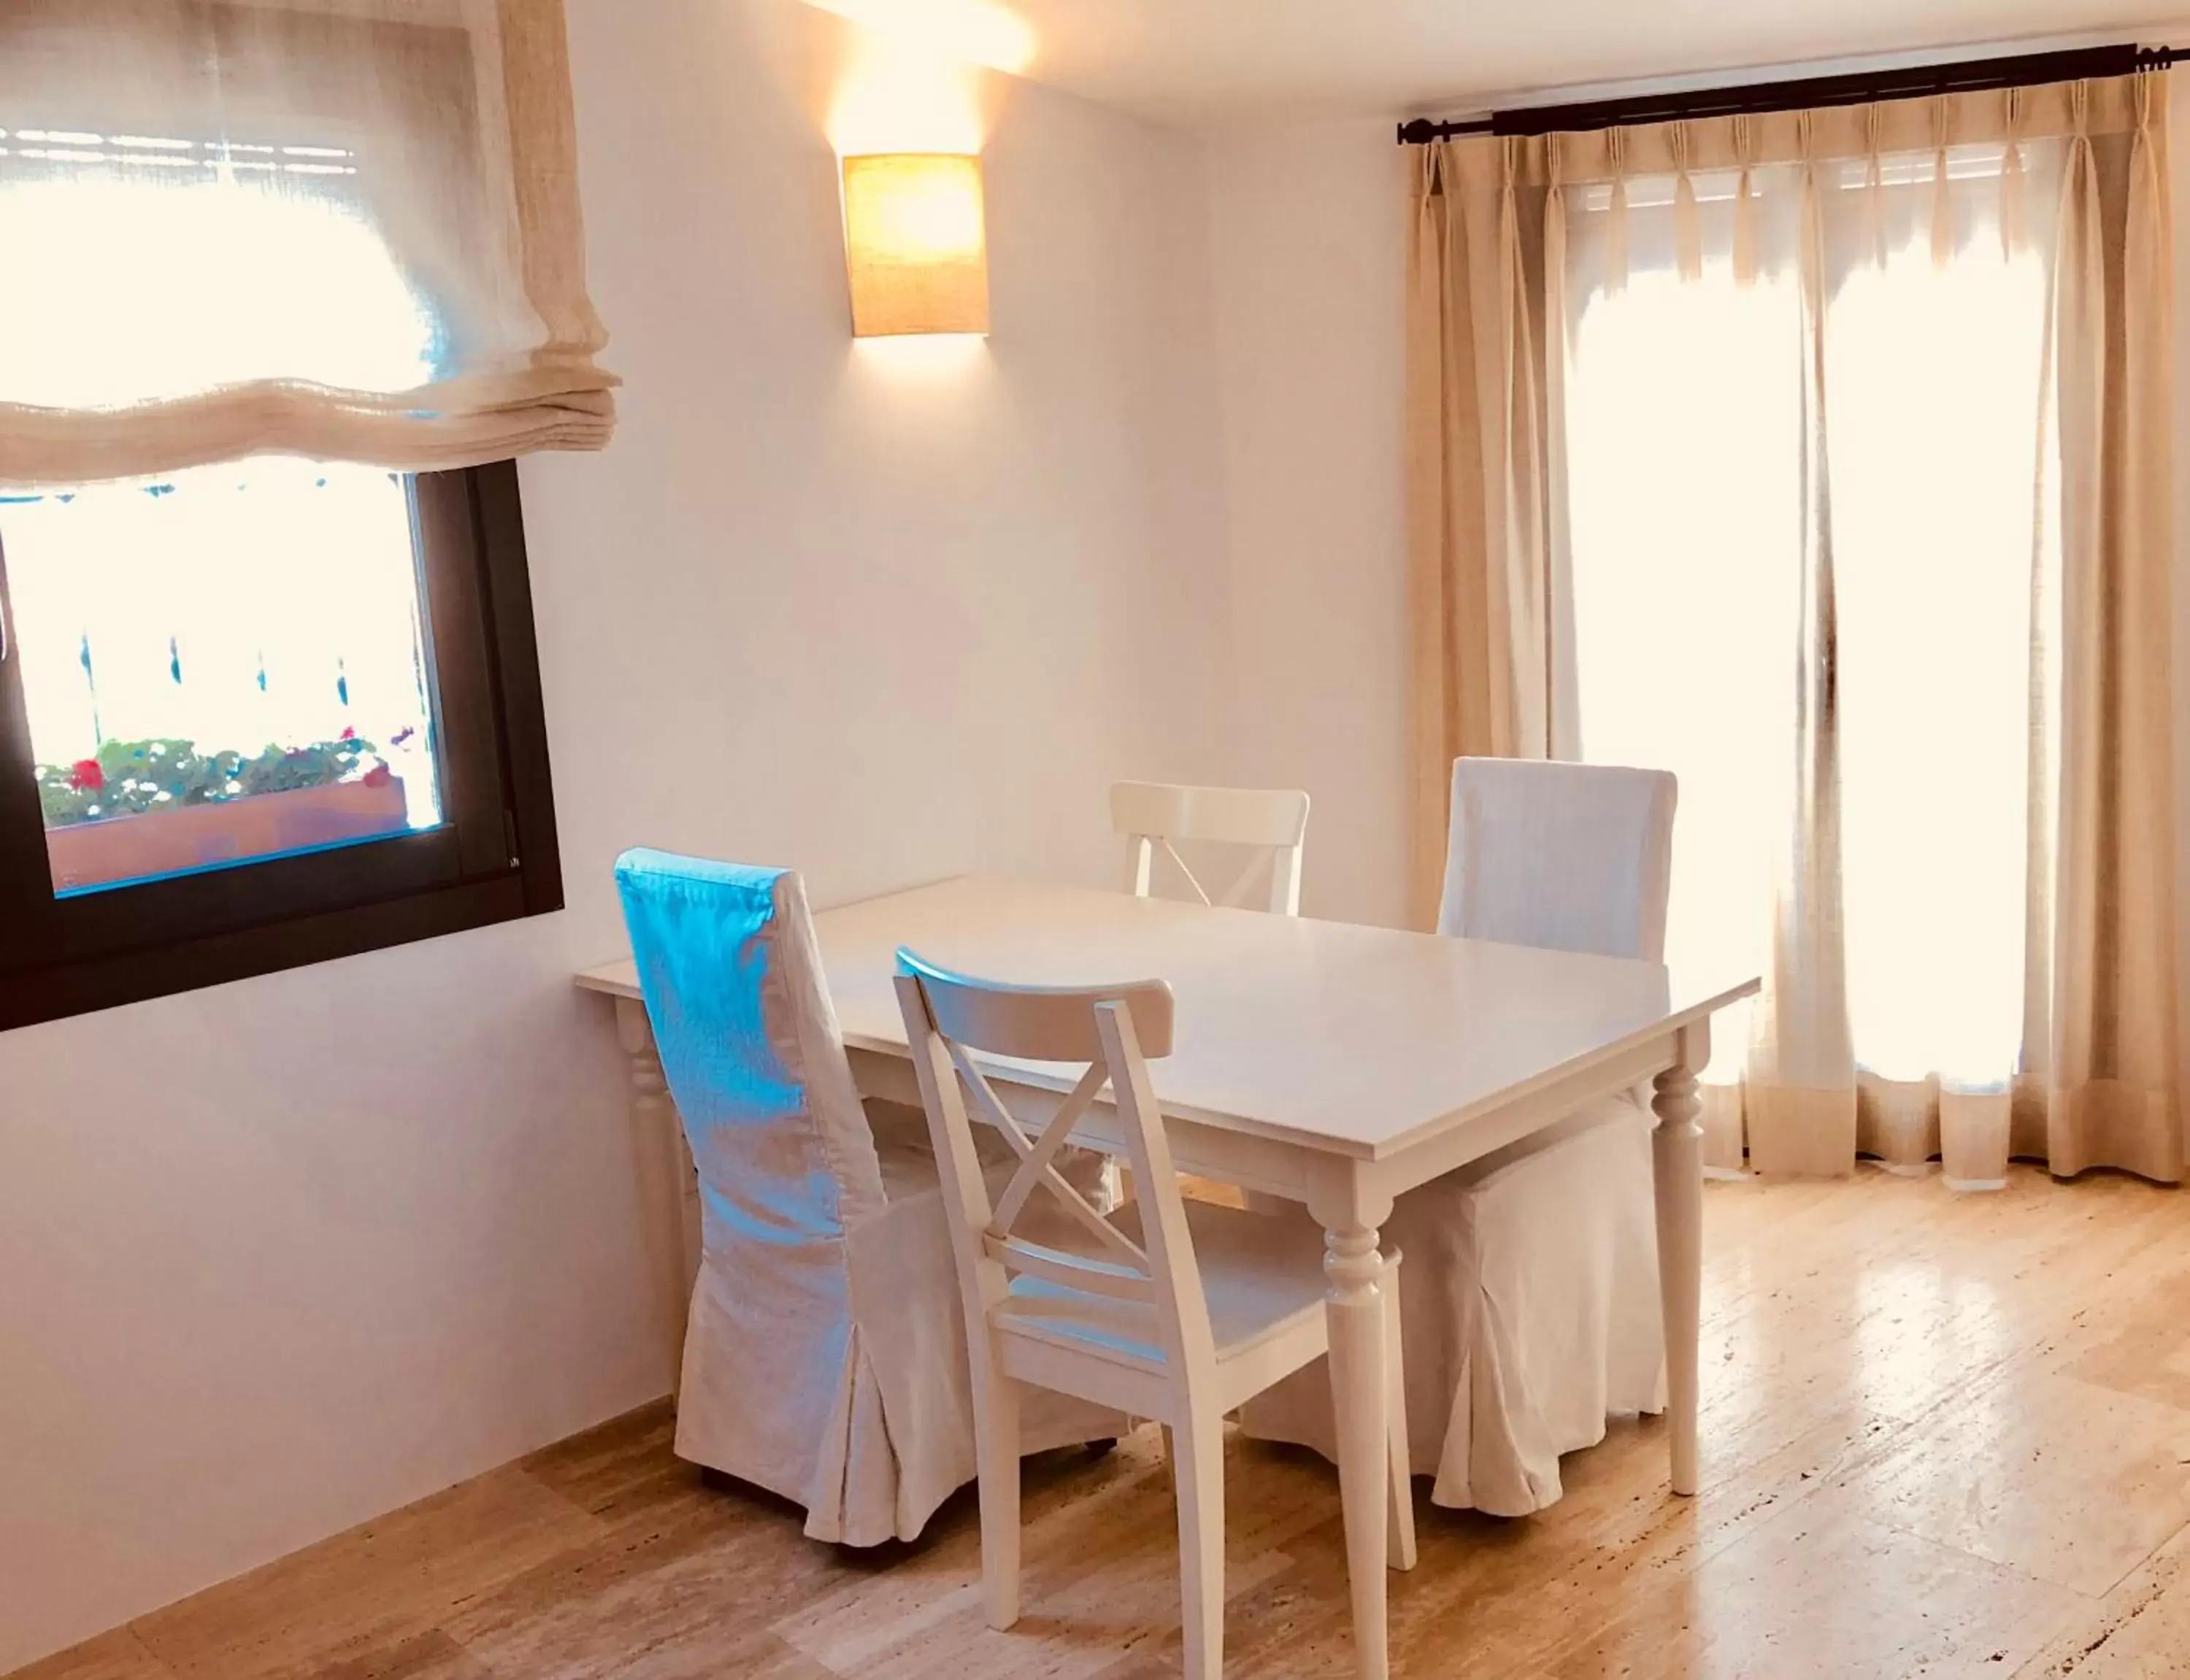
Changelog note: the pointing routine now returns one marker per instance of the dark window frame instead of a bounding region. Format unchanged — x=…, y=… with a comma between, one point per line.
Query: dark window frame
x=495, y=859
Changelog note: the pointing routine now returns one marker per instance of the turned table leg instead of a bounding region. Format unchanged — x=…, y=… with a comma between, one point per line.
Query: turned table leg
x=1678, y=1147
x=673, y=1188
x=1360, y=1374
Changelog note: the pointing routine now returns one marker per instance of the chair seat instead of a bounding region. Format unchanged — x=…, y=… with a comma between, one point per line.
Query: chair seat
x=1263, y=1276
x=907, y=1158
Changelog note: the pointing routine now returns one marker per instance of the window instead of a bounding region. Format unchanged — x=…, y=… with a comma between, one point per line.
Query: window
x=257, y=715
x=1686, y=459
x=1684, y=426
x=272, y=710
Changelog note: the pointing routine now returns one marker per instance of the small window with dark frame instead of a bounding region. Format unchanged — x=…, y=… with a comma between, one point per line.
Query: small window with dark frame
x=261, y=715
x=264, y=700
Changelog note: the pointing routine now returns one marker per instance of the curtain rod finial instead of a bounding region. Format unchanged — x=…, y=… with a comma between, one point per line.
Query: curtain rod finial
x=1422, y=131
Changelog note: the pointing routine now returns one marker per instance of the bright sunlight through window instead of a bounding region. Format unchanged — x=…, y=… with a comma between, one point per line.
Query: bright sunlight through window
x=1685, y=438
x=227, y=663
x=129, y=282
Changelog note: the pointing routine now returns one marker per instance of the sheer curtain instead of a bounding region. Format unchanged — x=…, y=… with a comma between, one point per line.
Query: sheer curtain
x=341, y=228
x=1858, y=471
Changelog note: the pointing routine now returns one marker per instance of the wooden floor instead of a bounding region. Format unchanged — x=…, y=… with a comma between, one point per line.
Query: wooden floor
x=1942, y=1436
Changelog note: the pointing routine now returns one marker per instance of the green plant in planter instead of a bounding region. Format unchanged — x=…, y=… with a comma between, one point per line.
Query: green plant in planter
x=130, y=779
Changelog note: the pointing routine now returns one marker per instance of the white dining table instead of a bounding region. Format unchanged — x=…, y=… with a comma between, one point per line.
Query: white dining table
x=1326, y=1063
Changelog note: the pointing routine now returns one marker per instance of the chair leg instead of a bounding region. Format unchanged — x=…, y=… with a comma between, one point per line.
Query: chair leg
x=1198, y=1467
x=1402, y=1526
x=996, y=1437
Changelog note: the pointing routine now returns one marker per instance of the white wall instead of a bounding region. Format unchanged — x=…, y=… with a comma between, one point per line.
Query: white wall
x=279, y=1256
x=1308, y=230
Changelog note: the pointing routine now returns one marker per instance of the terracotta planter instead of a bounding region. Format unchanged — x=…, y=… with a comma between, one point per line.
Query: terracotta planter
x=236, y=830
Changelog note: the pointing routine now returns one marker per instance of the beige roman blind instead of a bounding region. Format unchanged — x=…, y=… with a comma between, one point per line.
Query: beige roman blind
x=347, y=229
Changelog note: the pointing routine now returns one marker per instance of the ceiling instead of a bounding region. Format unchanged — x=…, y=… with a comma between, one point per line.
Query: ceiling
x=1197, y=62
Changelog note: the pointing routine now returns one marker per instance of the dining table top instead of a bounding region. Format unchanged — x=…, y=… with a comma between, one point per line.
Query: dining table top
x=1346, y=1038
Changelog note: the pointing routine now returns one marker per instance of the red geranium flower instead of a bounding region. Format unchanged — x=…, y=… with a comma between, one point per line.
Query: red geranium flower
x=378, y=777
x=86, y=776
x=350, y=733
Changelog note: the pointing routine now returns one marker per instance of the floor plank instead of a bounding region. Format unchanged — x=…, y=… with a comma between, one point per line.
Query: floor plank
x=119, y=1656
x=369, y=1597
x=1820, y=1593
x=2140, y=1631
x=1942, y=1436
x=2066, y=1481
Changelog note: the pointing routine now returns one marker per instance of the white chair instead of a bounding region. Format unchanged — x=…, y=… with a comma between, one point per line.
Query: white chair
x=1156, y=816
x=1167, y=1309
x=1530, y=1303
x=824, y=1359
x=1560, y=856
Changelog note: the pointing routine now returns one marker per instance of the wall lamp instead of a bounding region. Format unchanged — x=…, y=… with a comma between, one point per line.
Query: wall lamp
x=915, y=243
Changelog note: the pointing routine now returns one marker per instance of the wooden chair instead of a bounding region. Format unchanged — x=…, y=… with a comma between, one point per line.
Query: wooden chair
x=1169, y=1310
x=1153, y=816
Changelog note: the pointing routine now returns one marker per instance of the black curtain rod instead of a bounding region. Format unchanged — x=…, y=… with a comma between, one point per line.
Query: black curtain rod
x=2023, y=70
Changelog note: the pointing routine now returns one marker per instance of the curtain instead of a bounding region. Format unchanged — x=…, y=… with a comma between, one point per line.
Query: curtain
x=2109, y=1094
x=1858, y=469
x=347, y=229
x=1484, y=520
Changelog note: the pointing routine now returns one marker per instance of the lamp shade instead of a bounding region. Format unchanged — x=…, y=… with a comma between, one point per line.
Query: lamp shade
x=915, y=243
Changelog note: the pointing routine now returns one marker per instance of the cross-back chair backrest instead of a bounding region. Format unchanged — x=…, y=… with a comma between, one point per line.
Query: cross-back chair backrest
x=950, y=1019
x=1562, y=856
x=1154, y=817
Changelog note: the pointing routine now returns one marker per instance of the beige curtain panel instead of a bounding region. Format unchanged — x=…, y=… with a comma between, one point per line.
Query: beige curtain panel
x=1820, y=235
x=1482, y=453
x=346, y=229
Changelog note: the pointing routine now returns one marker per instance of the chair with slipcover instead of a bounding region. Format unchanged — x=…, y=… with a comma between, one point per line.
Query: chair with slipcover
x=1529, y=1302
x=825, y=1357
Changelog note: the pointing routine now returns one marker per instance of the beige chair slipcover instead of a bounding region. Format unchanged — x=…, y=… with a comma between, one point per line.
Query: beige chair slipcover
x=1530, y=1296
x=825, y=1353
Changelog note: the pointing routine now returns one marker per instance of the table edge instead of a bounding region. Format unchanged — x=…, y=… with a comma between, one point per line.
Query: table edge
x=610, y=980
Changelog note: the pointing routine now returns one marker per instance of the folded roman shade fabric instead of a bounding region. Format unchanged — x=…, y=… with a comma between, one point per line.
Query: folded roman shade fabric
x=341, y=228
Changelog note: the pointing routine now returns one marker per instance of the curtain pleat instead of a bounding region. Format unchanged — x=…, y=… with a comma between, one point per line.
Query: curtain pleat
x=1801, y=1086
x=1487, y=612
x=2027, y=1116
x=2112, y=1097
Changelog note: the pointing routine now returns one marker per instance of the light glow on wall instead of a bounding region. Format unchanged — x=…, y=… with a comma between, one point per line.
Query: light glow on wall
x=977, y=31
x=891, y=99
